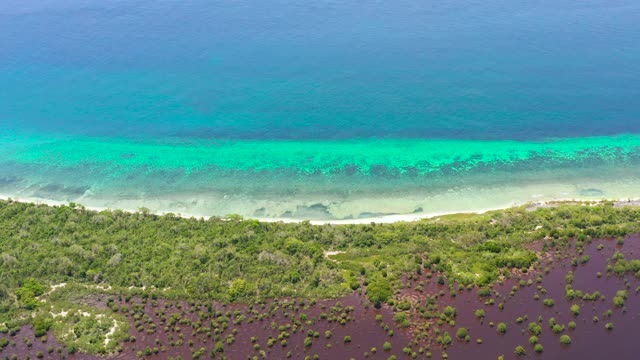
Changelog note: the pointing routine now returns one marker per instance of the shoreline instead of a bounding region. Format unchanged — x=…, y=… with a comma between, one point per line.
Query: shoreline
x=385, y=219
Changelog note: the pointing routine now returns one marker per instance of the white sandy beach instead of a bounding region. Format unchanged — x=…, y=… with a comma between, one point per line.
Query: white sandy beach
x=366, y=220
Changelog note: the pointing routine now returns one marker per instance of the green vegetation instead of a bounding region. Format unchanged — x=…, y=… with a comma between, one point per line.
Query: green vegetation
x=379, y=291
x=535, y=328
x=575, y=309
x=565, y=339
x=227, y=260
x=386, y=346
x=450, y=311
x=620, y=298
x=502, y=328
x=538, y=348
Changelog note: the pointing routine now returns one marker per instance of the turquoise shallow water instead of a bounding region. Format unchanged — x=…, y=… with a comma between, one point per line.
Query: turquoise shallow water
x=321, y=110
x=316, y=179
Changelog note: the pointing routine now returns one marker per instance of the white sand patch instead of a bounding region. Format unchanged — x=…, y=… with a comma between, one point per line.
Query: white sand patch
x=144, y=287
x=111, y=332
x=61, y=313
x=53, y=288
x=333, y=252
x=102, y=287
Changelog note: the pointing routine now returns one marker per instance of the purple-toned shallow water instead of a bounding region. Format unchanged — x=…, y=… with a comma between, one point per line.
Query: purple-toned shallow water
x=590, y=339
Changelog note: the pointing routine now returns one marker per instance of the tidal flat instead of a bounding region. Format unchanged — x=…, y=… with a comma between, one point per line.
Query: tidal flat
x=529, y=282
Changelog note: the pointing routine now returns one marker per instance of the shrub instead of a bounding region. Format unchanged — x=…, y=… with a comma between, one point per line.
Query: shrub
x=502, y=328
x=565, y=339
x=308, y=342
x=538, y=348
x=618, y=301
x=575, y=309
x=557, y=328
x=462, y=333
x=450, y=311
x=520, y=351
x=386, y=346
x=535, y=328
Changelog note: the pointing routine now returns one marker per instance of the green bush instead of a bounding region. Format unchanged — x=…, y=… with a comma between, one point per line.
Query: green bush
x=462, y=333
x=386, y=346
x=575, y=309
x=480, y=314
x=502, y=328
x=520, y=351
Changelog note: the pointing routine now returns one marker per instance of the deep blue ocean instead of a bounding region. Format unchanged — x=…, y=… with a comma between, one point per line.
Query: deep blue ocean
x=306, y=90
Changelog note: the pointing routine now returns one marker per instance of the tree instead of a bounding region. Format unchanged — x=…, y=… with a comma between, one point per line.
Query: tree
x=238, y=289
x=28, y=293
x=41, y=325
x=379, y=291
